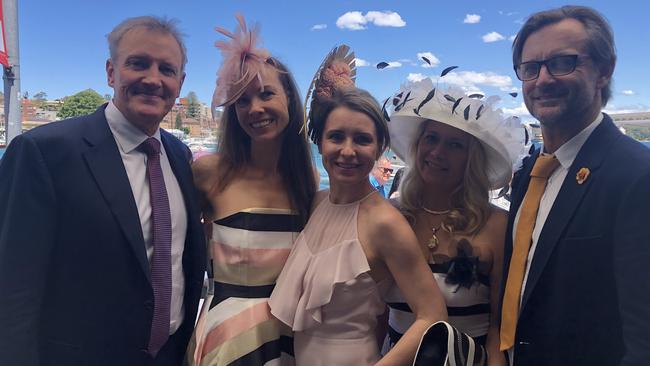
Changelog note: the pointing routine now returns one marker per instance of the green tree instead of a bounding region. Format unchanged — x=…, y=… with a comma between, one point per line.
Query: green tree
x=40, y=98
x=179, y=122
x=186, y=130
x=193, y=105
x=82, y=103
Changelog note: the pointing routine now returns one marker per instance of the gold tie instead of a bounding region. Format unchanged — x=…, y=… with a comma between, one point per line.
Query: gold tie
x=543, y=168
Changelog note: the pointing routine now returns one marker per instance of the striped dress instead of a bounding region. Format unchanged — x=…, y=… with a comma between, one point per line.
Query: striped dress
x=235, y=326
x=468, y=308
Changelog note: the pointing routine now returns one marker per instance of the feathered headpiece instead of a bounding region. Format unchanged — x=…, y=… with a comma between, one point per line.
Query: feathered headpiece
x=337, y=71
x=242, y=62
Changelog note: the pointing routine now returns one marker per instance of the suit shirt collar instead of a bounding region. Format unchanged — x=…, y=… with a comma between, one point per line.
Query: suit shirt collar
x=127, y=136
x=567, y=153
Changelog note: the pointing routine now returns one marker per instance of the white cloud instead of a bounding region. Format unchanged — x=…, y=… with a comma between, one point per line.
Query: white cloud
x=319, y=26
x=471, y=79
x=431, y=57
x=517, y=111
x=355, y=20
x=385, y=19
x=361, y=62
x=393, y=64
x=512, y=37
x=472, y=18
x=415, y=77
x=493, y=37
x=352, y=20
x=628, y=92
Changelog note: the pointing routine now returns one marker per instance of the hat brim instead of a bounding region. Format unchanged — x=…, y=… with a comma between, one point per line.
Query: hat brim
x=404, y=128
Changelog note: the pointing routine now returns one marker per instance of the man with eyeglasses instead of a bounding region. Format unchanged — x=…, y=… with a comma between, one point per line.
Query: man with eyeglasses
x=577, y=253
x=380, y=174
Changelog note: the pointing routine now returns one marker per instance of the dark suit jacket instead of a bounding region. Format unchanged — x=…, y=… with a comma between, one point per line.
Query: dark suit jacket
x=74, y=275
x=587, y=299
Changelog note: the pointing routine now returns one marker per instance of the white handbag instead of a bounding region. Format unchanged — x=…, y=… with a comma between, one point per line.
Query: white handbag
x=443, y=345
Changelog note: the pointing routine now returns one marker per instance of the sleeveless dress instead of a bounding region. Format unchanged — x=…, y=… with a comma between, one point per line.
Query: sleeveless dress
x=235, y=327
x=468, y=306
x=325, y=293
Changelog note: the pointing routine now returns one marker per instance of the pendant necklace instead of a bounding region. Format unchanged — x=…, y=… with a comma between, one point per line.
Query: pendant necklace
x=434, y=241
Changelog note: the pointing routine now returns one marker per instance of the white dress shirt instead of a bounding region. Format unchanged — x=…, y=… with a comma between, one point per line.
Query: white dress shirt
x=566, y=154
x=128, y=138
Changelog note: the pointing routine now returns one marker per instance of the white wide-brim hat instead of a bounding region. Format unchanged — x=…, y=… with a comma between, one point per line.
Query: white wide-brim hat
x=503, y=138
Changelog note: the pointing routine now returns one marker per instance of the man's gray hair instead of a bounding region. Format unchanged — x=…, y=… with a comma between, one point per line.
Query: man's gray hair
x=151, y=23
x=600, y=38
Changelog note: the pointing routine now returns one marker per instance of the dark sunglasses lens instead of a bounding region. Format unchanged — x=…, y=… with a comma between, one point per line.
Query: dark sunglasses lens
x=562, y=65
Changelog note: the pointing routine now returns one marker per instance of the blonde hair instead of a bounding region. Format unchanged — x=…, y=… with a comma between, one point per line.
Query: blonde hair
x=470, y=201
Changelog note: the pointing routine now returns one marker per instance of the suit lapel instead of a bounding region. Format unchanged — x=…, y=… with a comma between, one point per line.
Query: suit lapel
x=520, y=184
x=105, y=164
x=568, y=199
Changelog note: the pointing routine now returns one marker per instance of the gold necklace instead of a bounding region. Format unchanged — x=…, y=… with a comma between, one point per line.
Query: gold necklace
x=434, y=212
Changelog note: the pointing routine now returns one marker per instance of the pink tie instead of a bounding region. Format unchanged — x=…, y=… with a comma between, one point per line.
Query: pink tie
x=161, y=269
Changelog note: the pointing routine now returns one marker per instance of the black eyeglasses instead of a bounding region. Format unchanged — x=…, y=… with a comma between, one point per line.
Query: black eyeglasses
x=386, y=170
x=556, y=66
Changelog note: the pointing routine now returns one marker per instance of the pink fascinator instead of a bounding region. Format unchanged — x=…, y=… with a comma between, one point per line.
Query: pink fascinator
x=242, y=62
x=337, y=71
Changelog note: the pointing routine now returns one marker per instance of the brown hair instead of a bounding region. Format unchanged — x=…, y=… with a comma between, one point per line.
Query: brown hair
x=151, y=23
x=295, y=163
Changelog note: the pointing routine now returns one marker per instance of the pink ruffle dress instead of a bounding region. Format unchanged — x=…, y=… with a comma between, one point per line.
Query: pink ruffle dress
x=325, y=293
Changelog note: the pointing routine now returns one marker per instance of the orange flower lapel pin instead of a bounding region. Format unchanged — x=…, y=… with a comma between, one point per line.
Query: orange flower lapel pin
x=582, y=175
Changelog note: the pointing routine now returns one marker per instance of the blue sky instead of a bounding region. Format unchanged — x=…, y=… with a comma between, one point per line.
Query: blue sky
x=63, y=45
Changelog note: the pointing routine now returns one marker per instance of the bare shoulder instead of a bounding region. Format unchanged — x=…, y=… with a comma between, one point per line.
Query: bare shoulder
x=205, y=169
x=498, y=219
x=493, y=233
x=386, y=222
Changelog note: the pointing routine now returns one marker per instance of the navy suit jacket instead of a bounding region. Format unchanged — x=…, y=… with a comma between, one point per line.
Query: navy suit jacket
x=587, y=297
x=74, y=276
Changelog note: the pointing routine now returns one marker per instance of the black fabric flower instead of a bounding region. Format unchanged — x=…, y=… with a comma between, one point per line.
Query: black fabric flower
x=463, y=268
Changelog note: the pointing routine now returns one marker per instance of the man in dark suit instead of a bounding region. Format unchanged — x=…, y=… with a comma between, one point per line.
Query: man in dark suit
x=582, y=293
x=101, y=249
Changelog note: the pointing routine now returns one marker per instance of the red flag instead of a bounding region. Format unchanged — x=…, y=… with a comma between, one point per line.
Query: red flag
x=3, y=44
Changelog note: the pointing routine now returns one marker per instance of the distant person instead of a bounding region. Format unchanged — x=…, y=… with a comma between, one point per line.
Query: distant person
x=578, y=240
x=102, y=254
x=256, y=193
x=380, y=175
x=355, y=244
x=454, y=161
x=397, y=180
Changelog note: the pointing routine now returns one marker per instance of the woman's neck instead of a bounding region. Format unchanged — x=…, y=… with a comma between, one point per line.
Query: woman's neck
x=436, y=199
x=265, y=157
x=348, y=193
